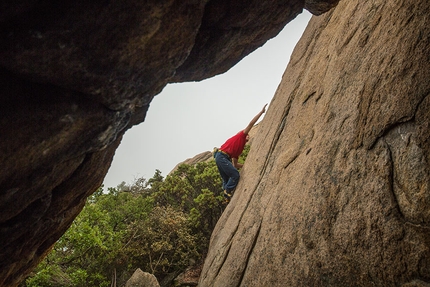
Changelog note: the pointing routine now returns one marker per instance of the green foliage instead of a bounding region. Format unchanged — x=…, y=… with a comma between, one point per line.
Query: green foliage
x=157, y=225
x=186, y=183
x=93, y=247
x=196, y=190
x=49, y=275
x=163, y=243
x=244, y=154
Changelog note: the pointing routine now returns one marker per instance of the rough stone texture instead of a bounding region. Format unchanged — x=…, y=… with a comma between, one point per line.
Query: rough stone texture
x=142, y=279
x=123, y=52
x=335, y=190
x=75, y=75
x=244, y=23
x=190, y=277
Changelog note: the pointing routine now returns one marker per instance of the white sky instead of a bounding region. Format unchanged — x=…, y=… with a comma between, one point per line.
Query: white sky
x=189, y=118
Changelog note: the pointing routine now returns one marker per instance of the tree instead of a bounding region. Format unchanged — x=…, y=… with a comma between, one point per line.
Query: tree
x=157, y=225
x=163, y=243
x=94, y=247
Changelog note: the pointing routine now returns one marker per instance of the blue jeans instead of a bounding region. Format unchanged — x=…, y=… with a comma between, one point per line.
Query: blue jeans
x=229, y=174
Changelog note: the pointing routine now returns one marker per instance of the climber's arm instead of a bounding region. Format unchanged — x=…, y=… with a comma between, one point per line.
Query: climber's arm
x=254, y=120
x=236, y=164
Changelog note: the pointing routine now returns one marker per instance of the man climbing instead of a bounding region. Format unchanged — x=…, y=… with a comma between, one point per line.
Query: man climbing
x=227, y=155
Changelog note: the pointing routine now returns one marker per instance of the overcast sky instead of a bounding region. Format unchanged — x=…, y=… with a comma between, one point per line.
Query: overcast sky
x=189, y=118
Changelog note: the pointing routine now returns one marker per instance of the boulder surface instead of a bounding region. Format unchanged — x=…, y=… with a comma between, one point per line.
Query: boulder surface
x=142, y=279
x=336, y=188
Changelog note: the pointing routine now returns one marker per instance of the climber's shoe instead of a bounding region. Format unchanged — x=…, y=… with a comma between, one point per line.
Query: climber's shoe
x=227, y=196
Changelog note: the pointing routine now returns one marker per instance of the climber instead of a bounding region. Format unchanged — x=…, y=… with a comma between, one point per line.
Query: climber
x=227, y=155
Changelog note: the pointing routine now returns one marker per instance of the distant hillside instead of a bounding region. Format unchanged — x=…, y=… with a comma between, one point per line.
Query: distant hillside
x=201, y=157
x=207, y=155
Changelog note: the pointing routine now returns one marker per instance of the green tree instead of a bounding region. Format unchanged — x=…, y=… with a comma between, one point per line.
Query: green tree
x=157, y=225
x=195, y=190
x=93, y=248
x=162, y=244
x=207, y=205
x=244, y=154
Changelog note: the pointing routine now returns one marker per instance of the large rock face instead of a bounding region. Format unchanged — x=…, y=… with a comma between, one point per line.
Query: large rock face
x=336, y=188
x=75, y=75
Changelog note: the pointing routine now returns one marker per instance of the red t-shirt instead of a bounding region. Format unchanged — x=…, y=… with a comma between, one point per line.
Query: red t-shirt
x=234, y=145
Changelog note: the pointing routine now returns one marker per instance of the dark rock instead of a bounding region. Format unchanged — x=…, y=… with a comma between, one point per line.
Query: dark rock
x=190, y=277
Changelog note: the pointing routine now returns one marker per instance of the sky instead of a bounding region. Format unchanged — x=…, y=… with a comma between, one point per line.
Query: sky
x=190, y=118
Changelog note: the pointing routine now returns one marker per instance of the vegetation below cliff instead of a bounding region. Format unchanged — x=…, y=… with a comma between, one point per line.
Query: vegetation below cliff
x=160, y=225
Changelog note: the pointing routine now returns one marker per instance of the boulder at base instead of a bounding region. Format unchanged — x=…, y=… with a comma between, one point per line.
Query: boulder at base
x=142, y=279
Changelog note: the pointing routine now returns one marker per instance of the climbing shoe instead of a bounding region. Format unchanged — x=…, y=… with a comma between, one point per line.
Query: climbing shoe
x=227, y=196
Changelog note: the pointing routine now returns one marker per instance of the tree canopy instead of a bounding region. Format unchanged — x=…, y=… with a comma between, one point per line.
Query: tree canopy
x=159, y=225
